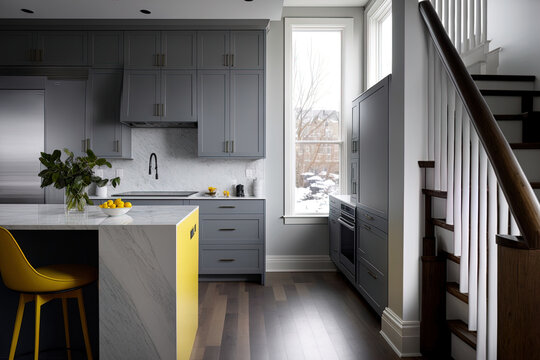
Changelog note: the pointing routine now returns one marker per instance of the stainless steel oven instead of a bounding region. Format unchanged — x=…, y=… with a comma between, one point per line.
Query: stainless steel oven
x=347, y=241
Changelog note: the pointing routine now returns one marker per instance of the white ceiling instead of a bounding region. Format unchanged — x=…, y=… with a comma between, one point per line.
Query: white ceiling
x=129, y=9
x=325, y=2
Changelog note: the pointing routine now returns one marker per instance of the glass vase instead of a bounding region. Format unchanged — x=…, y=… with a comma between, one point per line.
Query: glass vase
x=75, y=198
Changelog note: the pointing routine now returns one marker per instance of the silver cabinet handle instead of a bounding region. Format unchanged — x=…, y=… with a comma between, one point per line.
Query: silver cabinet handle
x=232, y=146
x=231, y=229
x=348, y=226
x=87, y=144
x=354, y=187
x=227, y=260
x=226, y=62
x=156, y=59
x=372, y=275
x=367, y=227
x=117, y=145
x=232, y=60
x=162, y=113
x=226, y=146
x=226, y=207
x=368, y=217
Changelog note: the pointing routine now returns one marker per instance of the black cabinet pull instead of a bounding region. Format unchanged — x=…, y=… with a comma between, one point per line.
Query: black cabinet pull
x=227, y=229
x=227, y=207
x=372, y=275
x=227, y=260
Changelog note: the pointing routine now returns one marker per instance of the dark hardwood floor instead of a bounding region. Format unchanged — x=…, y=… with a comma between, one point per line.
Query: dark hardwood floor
x=294, y=316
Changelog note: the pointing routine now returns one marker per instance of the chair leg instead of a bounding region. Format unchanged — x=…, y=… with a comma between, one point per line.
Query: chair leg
x=18, y=321
x=39, y=301
x=84, y=325
x=66, y=327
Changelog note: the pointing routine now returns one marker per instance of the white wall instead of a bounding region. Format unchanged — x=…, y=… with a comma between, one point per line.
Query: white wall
x=293, y=240
x=514, y=26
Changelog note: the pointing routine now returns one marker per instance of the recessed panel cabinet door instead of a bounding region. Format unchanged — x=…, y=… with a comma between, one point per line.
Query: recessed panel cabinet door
x=355, y=126
x=141, y=49
x=63, y=48
x=107, y=49
x=247, y=50
x=213, y=100
x=178, y=94
x=17, y=47
x=141, y=96
x=247, y=113
x=103, y=123
x=212, y=48
x=178, y=48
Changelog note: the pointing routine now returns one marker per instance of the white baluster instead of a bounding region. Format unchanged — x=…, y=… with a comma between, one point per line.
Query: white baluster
x=465, y=206
x=452, y=22
x=514, y=229
x=478, y=22
x=459, y=24
x=484, y=21
x=470, y=38
x=482, y=258
x=437, y=126
x=445, y=16
x=457, y=178
x=440, y=9
x=450, y=168
x=444, y=131
x=492, y=266
x=465, y=26
x=473, y=254
x=504, y=213
x=431, y=101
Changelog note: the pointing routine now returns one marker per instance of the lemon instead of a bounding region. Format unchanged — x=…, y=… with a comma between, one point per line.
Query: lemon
x=109, y=202
x=120, y=206
x=105, y=206
x=113, y=206
x=120, y=203
x=127, y=204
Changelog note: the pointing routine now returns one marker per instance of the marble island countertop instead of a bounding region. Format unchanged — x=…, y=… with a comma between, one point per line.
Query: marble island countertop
x=42, y=217
x=198, y=196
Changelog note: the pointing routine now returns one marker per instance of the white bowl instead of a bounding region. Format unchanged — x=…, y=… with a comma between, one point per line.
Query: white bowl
x=116, y=211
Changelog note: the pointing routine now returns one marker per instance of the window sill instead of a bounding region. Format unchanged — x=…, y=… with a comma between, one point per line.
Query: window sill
x=304, y=219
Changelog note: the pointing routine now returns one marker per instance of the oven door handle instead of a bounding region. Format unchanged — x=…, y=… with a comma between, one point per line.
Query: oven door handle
x=346, y=224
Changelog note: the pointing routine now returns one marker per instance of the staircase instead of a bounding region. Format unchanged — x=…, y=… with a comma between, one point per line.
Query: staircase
x=466, y=193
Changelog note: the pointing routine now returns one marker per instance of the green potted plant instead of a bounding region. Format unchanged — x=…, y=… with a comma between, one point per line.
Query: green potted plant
x=73, y=174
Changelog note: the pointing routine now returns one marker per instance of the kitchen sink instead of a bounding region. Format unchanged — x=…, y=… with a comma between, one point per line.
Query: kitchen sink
x=157, y=193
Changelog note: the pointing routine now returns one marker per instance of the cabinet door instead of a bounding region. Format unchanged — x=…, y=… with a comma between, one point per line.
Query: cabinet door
x=178, y=47
x=141, y=96
x=373, y=169
x=63, y=48
x=212, y=48
x=17, y=47
x=247, y=50
x=247, y=113
x=107, y=49
x=213, y=108
x=141, y=49
x=333, y=229
x=355, y=127
x=103, y=125
x=178, y=95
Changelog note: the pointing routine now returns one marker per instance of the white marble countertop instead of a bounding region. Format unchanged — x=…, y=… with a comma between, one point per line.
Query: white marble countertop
x=198, y=196
x=345, y=198
x=53, y=217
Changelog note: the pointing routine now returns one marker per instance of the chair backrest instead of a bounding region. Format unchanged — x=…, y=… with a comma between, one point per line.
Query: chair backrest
x=16, y=271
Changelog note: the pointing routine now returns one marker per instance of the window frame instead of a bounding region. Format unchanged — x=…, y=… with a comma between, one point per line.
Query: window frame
x=376, y=13
x=345, y=26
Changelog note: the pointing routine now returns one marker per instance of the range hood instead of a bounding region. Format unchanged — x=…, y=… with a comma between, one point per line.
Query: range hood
x=162, y=124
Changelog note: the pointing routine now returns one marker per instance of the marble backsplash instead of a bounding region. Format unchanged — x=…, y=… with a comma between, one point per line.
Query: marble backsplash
x=179, y=167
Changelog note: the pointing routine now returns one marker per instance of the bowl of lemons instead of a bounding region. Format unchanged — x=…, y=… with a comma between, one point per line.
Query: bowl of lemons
x=115, y=207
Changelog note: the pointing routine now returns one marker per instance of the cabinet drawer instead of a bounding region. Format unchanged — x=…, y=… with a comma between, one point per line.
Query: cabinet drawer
x=372, y=245
x=227, y=229
x=334, y=203
x=372, y=285
x=230, y=260
x=371, y=219
x=229, y=206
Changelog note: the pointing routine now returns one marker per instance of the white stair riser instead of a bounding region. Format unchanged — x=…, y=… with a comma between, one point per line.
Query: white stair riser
x=479, y=67
x=452, y=271
x=529, y=161
x=456, y=309
x=505, y=85
x=504, y=104
x=461, y=351
x=512, y=130
x=445, y=239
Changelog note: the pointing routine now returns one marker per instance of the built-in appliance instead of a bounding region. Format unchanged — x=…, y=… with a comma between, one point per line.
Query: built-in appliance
x=157, y=193
x=22, y=128
x=347, y=239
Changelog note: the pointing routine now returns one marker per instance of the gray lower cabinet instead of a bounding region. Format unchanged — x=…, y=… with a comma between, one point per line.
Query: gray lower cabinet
x=333, y=229
x=106, y=49
x=108, y=137
x=231, y=113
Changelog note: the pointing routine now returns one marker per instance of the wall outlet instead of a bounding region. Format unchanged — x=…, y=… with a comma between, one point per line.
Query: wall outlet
x=119, y=173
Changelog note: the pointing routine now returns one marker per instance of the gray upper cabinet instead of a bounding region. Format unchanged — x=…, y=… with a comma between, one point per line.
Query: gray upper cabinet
x=178, y=48
x=140, y=96
x=63, y=48
x=213, y=104
x=243, y=50
x=355, y=127
x=159, y=49
x=106, y=49
x=178, y=94
x=17, y=47
x=247, y=50
x=212, y=49
x=142, y=49
x=108, y=138
x=247, y=113
x=354, y=179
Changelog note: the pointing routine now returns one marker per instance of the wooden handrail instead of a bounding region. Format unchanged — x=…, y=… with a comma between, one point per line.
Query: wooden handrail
x=517, y=190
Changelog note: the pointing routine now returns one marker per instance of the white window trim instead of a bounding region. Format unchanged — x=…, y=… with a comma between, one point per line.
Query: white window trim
x=375, y=14
x=345, y=25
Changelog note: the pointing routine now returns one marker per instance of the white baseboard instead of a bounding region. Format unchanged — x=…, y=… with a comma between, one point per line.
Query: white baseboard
x=297, y=263
x=402, y=336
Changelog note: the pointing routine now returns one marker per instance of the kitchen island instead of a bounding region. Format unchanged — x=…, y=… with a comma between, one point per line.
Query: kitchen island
x=148, y=273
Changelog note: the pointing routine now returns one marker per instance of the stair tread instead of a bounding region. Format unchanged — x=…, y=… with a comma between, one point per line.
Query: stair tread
x=490, y=92
x=451, y=257
x=460, y=329
x=511, y=117
x=486, y=77
x=435, y=193
x=453, y=288
x=442, y=223
x=532, y=145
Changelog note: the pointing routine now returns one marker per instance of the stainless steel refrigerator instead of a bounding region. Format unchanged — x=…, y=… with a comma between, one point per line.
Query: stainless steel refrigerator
x=22, y=127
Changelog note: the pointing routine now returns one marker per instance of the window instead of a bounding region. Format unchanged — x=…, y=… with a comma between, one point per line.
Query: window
x=315, y=57
x=379, y=41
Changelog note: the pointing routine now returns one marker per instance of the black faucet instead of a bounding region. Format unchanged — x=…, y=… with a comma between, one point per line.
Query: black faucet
x=150, y=165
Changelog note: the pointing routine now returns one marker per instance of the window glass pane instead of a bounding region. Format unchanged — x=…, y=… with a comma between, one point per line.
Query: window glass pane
x=386, y=47
x=317, y=176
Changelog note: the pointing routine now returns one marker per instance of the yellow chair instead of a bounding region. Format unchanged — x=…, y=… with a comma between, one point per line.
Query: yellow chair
x=42, y=285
